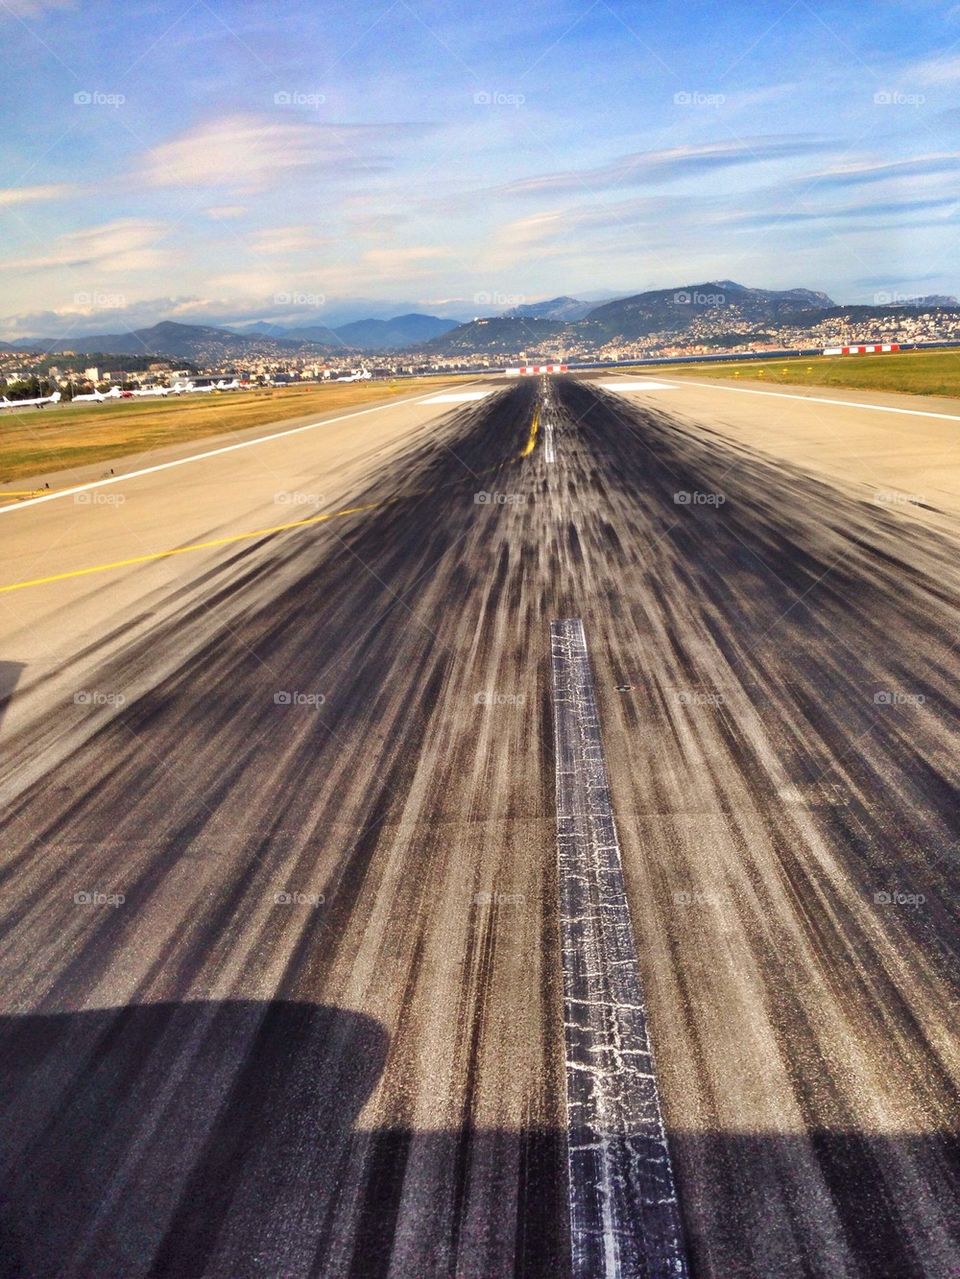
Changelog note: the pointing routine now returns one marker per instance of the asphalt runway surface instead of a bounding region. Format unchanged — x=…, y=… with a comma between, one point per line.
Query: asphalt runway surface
x=322, y=1032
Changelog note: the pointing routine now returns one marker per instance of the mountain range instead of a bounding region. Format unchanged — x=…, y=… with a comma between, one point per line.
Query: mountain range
x=552, y=309
x=364, y=335
x=563, y=321
x=205, y=341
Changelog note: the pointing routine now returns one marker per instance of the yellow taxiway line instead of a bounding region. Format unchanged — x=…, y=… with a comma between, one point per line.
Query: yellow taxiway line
x=185, y=550
x=532, y=441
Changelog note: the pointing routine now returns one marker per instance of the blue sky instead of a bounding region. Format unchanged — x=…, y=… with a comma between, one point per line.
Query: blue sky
x=224, y=161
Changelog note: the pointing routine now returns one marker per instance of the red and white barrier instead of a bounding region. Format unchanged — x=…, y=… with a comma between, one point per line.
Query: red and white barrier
x=526, y=370
x=875, y=348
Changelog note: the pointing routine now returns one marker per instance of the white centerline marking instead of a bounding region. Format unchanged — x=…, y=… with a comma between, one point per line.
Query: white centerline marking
x=199, y=457
x=624, y=1215
x=549, y=453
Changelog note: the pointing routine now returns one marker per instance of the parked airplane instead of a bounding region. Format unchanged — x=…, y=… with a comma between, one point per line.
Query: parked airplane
x=189, y=388
x=97, y=397
x=37, y=403
x=358, y=375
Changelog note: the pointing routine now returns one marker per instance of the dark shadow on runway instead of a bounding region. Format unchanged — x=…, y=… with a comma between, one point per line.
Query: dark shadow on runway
x=221, y=1139
x=820, y=1206
x=10, y=673
x=205, y=1139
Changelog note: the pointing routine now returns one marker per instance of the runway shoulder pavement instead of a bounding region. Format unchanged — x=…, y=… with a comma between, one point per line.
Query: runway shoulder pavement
x=901, y=452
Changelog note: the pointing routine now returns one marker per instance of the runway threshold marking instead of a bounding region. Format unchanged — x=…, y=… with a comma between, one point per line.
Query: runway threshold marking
x=624, y=1214
x=186, y=550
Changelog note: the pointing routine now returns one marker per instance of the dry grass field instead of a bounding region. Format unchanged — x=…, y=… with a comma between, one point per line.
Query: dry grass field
x=37, y=442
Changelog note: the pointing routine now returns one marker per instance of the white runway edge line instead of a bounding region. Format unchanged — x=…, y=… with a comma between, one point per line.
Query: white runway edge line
x=225, y=448
x=624, y=1215
x=808, y=399
x=458, y=397
x=647, y=385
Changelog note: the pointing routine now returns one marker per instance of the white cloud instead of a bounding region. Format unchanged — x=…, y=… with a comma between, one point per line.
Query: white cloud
x=401, y=263
x=127, y=244
x=250, y=153
x=25, y=195
x=287, y=239
x=936, y=71
x=673, y=162
x=30, y=8
x=224, y=212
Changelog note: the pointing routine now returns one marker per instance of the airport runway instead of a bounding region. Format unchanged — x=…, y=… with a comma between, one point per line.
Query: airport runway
x=322, y=1032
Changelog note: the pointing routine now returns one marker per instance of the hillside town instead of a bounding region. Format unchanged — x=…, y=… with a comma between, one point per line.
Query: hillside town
x=483, y=344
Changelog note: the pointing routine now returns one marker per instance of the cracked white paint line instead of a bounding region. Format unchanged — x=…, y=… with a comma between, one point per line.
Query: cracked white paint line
x=624, y=1215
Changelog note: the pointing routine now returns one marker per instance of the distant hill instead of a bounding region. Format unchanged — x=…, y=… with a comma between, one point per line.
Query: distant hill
x=367, y=334
x=498, y=335
x=394, y=334
x=562, y=308
x=187, y=341
x=718, y=311
x=671, y=310
x=931, y=302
